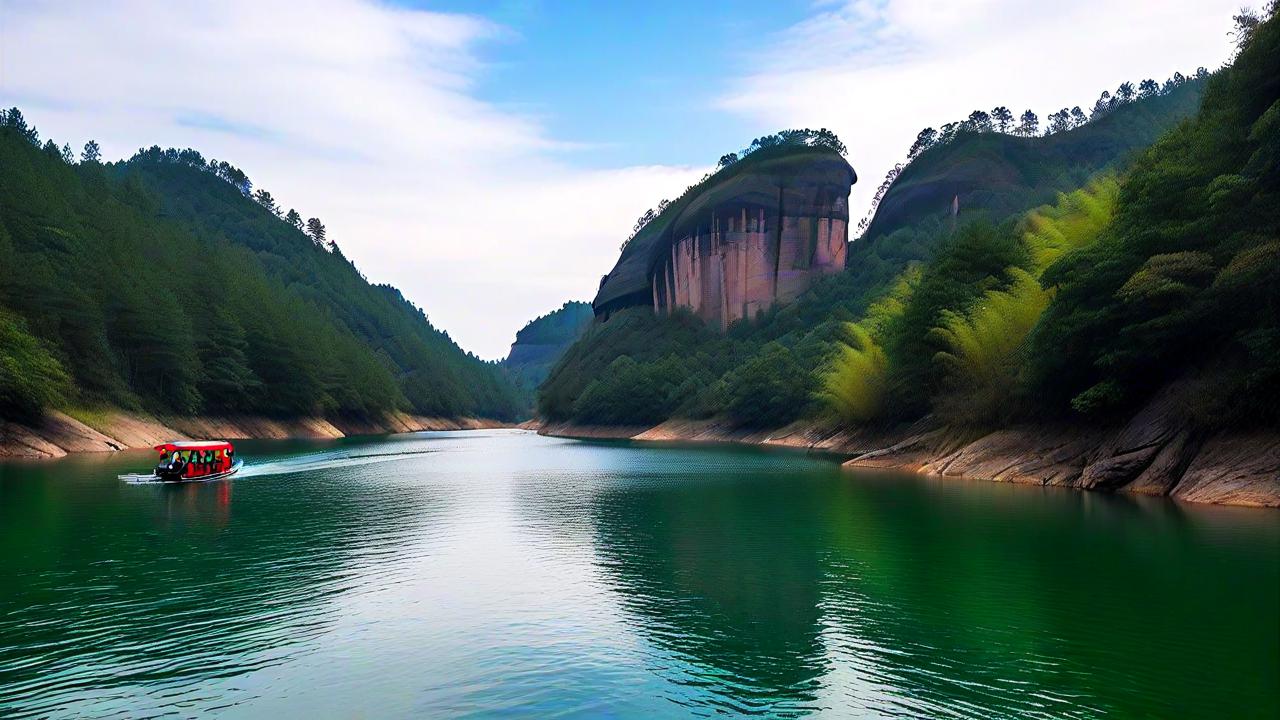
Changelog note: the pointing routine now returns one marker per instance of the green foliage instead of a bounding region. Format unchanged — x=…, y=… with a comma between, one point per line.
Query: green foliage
x=160, y=283
x=975, y=260
x=1185, y=281
x=1122, y=284
x=983, y=345
x=31, y=378
x=631, y=393
x=1075, y=221
x=854, y=382
x=762, y=391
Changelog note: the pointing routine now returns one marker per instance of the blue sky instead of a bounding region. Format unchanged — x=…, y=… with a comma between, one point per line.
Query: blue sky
x=632, y=84
x=489, y=157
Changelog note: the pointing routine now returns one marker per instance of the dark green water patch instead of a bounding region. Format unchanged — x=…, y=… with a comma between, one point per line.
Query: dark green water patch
x=501, y=573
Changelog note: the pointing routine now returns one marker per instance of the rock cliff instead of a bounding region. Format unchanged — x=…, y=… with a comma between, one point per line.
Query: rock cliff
x=756, y=233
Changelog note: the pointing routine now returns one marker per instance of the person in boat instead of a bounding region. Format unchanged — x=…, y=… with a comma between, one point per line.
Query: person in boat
x=175, y=466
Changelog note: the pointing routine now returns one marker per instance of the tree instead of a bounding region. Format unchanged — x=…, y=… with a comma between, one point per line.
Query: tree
x=1028, y=125
x=1246, y=24
x=68, y=157
x=1002, y=118
x=226, y=380
x=315, y=231
x=1124, y=93
x=1078, y=117
x=1059, y=122
x=31, y=378
x=1202, y=72
x=979, y=121
x=726, y=160
x=924, y=140
x=1101, y=107
x=293, y=218
x=91, y=153
x=1148, y=88
x=263, y=198
x=948, y=132
x=14, y=120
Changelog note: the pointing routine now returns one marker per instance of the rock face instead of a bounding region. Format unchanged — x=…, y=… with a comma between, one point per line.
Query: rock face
x=542, y=341
x=58, y=434
x=753, y=236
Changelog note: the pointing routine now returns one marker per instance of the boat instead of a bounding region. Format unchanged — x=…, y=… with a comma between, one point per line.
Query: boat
x=191, y=461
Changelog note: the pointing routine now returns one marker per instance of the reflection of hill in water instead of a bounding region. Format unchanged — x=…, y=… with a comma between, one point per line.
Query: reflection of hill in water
x=155, y=589
x=727, y=578
x=904, y=596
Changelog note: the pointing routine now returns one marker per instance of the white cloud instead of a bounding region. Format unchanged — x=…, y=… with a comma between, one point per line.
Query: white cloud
x=353, y=111
x=365, y=115
x=877, y=71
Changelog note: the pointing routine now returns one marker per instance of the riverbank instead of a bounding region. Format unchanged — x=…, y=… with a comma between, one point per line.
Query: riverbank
x=1149, y=455
x=58, y=434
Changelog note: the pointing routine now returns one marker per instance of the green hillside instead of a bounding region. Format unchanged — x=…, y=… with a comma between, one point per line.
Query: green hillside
x=542, y=341
x=1084, y=271
x=1002, y=174
x=159, y=283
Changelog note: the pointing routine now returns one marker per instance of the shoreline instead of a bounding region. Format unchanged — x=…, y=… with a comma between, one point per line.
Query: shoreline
x=1143, y=457
x=59, y=434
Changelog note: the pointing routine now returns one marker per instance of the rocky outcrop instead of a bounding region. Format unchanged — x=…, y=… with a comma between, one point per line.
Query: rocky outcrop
x=755, y=235
x=1155, y=453
x=58, y=434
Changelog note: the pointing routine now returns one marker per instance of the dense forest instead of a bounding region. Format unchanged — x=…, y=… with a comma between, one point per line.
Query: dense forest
x=1115, y=255
x=164, y=283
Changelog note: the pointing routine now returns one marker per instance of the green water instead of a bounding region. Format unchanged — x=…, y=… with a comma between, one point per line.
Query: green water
x=504, y=574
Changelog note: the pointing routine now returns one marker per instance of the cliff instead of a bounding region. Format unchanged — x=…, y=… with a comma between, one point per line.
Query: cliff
x=756, y=233
x=541, y=342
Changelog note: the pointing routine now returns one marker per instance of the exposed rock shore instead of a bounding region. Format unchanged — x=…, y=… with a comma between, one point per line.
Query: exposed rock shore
x=59, y=434
x=1149, y=455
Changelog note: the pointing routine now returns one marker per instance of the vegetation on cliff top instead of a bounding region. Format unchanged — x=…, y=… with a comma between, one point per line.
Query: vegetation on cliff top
x=165, y=283
x=1119, y=285
x=781, y=143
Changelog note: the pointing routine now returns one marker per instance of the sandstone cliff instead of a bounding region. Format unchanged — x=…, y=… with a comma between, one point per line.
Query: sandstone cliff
x=754, y=234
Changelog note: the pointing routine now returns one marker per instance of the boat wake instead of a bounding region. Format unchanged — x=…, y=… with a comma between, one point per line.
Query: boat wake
x=303, y=463
x=324, y=461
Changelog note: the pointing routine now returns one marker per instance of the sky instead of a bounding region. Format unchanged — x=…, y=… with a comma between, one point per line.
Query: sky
x=488, y=158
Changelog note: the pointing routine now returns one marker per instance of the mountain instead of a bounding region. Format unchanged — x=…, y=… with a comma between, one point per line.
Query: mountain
x=755, y=233
x=161, y=283
x=1001, y=175
x=663, y=346
x=542, y=341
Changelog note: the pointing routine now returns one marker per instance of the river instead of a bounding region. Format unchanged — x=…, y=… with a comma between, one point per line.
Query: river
x=499, y=573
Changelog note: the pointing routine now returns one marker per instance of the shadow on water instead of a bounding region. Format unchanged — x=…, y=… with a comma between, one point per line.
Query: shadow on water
x=124, y=600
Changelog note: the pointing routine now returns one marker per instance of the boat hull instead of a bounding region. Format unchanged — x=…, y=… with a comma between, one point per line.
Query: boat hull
x=152, y=477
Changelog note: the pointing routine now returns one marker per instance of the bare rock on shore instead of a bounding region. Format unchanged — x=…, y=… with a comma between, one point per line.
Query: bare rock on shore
x=58, y=434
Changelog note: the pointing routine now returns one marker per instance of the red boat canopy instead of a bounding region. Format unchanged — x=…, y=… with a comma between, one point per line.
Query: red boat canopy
x=193, y=445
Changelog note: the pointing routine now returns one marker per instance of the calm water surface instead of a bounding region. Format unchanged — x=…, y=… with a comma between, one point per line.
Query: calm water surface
x=504, y=574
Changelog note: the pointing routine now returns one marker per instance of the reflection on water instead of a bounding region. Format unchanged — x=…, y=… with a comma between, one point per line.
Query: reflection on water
x=500, y=573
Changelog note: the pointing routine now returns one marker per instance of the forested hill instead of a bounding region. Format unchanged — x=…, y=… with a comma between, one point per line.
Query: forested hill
x=162, y=283
x=543, y=340
x=1119, y=256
